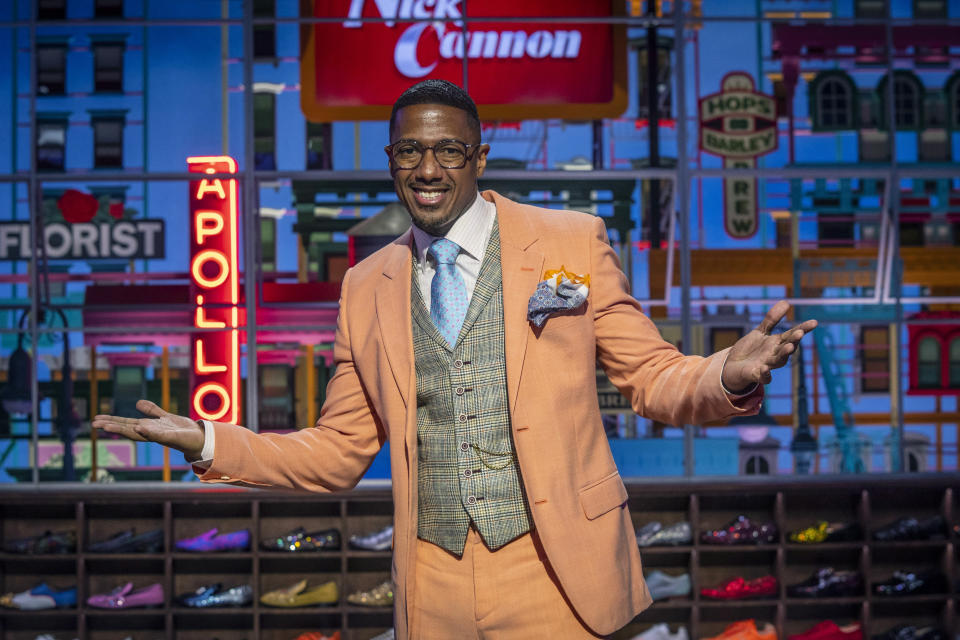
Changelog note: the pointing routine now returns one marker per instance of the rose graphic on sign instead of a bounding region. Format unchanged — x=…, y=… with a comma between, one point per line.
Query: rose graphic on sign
x=739, y=124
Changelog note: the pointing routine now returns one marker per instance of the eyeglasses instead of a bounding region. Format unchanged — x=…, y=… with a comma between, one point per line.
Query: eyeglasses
x=450, y=154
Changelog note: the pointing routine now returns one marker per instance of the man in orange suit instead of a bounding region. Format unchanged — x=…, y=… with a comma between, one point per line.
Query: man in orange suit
x=470, y=343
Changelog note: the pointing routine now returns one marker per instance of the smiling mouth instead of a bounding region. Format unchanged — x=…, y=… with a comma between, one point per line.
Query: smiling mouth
x=429, y=196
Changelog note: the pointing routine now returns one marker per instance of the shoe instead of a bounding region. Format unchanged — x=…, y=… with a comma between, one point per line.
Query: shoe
x=210, y=541
x=128, y=542
x=662, y=585
x=381, y=540
x=674, y=535
x=909, y=632
x=741, y=530
x=646, y=532
x=124, y=597
x=297, y=595
x=825, y=531
x=214, y=595
x=43, y=597
x=380, y=596
x=47, y=542
x=662, y=632
x=316, y=635
x=830, y=630
x=740, y=589
x=389, y=634
x=300, y=540
x=746, y=630
x=911, y=529
x=908, y=583
x=828, y=583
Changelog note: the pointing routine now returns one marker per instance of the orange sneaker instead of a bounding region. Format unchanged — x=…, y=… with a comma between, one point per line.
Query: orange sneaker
x=746, y=630
x=316, y=635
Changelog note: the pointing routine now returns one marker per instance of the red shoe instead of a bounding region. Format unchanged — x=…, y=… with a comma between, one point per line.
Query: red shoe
x=740, y=589
x=829, y=630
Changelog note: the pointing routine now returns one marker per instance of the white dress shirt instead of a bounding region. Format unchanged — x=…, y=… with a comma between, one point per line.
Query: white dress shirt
x=471, y=232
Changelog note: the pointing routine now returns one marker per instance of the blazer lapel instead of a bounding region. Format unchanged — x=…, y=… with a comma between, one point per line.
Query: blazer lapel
x=393, y=313
x=522, y=265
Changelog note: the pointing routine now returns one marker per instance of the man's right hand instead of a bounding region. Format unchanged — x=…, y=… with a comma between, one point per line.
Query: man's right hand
x=176, y=432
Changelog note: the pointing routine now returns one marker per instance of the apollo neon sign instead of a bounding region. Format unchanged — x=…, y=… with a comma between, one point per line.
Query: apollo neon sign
x=214, y=291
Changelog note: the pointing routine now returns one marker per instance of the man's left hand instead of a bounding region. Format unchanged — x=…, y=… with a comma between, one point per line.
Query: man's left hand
x=758, y=353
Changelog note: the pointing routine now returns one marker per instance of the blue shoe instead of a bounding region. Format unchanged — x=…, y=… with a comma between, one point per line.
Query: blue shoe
x=43, y=597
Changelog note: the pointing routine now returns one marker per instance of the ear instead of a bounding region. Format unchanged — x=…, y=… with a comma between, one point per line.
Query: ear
x=482, y=152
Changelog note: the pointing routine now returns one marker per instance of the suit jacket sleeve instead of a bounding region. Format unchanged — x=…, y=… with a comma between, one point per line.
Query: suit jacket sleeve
x=331, y=456
x=660, y=382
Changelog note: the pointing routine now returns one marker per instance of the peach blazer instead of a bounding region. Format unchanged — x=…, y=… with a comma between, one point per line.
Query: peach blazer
x=576, y=495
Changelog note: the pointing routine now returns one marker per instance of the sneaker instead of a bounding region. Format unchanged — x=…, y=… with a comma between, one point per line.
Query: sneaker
x=43, y=597
x=662, y=632
x=662, y=585
x=746, y=630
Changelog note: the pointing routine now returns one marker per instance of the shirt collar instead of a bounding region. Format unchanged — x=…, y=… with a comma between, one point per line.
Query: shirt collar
x=471, y=231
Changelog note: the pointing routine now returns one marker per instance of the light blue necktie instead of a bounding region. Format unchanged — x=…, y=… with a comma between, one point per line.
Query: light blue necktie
x=448, y=292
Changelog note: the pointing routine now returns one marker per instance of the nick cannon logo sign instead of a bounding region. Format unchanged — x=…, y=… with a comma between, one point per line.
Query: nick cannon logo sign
x=739, y=124
x=354, y=70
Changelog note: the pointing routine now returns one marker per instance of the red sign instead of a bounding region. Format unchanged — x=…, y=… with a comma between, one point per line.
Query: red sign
x=215, y=291
x=354, y=70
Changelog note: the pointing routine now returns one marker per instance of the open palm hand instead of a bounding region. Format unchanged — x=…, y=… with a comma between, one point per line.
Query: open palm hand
x=170, y=430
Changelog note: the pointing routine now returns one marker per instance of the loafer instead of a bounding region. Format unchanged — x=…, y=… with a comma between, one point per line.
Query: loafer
x=739, y=588
x=128, y=542
x=389, y=634
x=824, y=531
x=746, y=630
x=47, y=542
x=213, y=541
x=910, y=632
x=300, y=540
x=646, y=532
x=125, y=597
x=830, y=630
x=297, y=595
x=911, y=529
x=380, y=596
x=741, y=530
x=381, y=540
x=316, y=635
x=674, y=535
x=210, y=596
x=43, y=597
x=662, y=632
x=662, y=585
x=909, y=583
x=828, y=583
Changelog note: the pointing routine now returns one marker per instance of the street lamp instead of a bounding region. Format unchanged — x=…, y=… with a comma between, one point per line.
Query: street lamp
x=804, y=445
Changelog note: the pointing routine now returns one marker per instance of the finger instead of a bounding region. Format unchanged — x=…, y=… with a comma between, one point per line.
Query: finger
x=773, y=317
x=150, y=409
x=125, y=429
x=792, y=336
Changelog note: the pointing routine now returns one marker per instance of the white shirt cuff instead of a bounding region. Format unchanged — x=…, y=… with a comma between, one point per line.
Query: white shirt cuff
x=730, y=394
x=206, y=455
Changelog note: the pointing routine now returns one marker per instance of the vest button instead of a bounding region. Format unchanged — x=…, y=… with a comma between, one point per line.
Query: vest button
x=462, y=417
x=459, y=391
x=458, y=364
x=471, y=500
x=464, y=446
x=467, y=473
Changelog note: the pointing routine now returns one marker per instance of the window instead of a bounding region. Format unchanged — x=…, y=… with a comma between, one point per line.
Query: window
x=52, y=10
x=929, y=9
x=723, y=337
x=107, y=143
x=928, y=363
x=319, y=144
x=108, y=67
x=953, y=101
x=875, y=359
x=757, y=465
x=268, y=244
x=51, y=145
x=276, y=396
x=108, y=8
x=51, y=69
x=870, y=8
x=264, y=131
x=834, y=103
x=264, y=35
x=954, y=355
x=664, y=102
x=129, y=384
x=907, y=93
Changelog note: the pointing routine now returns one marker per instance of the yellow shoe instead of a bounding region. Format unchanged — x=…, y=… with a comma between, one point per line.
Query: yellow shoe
x=380, y=596
x=297, y=595
x=815, y=534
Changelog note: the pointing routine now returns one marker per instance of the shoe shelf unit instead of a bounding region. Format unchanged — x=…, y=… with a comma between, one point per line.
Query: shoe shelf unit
x=96, y=512
x=795, y=503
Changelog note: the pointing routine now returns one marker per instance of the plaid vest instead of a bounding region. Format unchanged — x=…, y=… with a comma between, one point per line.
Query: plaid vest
x=467, y=470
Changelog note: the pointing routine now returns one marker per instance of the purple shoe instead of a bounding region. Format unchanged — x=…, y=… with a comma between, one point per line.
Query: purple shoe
x=210, y=541
x=126, y=598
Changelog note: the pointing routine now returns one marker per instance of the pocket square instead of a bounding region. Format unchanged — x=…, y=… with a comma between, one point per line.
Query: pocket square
x=560, y=291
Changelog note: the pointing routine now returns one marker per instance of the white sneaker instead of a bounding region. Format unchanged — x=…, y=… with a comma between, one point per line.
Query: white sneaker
x=662, y=632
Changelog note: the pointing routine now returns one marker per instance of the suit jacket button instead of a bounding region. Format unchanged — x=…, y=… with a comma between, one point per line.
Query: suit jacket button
x=471, y=500
x=464, y=446
x=457, y=364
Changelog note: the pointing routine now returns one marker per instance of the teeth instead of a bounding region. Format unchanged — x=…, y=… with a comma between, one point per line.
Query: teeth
x=430, y=195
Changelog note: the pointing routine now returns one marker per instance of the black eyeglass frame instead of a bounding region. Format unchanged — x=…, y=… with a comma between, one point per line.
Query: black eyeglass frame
x=467, y=156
